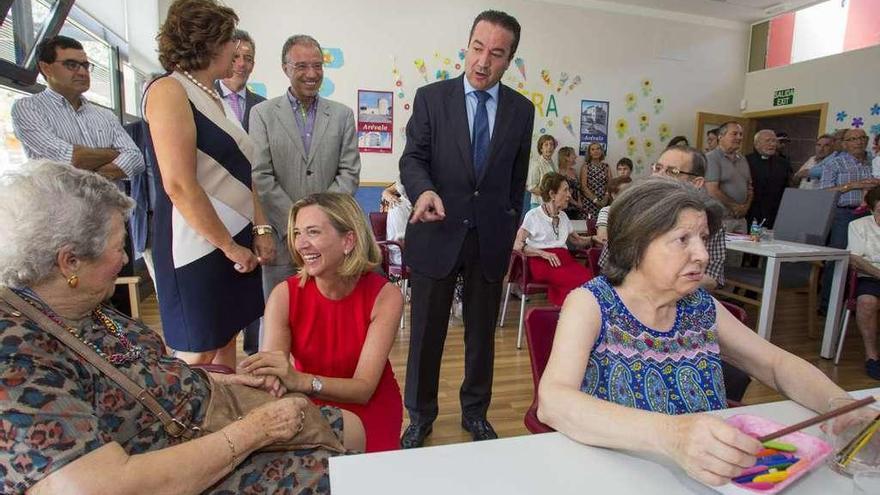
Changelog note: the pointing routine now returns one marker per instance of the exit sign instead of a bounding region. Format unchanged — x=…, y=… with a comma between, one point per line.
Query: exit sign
x=783, y=97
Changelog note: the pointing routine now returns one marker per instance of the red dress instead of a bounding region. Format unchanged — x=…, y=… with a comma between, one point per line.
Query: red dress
x=326, y=340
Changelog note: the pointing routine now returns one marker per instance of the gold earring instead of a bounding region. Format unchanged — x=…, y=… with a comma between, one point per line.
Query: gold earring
x=72, y=281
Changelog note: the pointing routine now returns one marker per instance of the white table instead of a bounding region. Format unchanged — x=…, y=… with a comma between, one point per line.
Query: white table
x=549, y=463
x=778, y=252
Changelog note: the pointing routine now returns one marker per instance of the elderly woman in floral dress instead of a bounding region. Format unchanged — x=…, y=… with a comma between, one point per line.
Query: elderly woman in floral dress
x=65, y=427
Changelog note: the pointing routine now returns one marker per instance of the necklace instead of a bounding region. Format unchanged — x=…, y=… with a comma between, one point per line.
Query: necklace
x=554, y=220
x=210, y=91
x=132, y=352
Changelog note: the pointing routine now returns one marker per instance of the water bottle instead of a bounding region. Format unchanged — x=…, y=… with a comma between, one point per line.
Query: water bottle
x=755, y=231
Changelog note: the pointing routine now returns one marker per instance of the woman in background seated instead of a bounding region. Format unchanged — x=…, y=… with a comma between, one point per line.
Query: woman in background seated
x=336, y=319
x=544, y=236
x=595, y=174
x=615, y=186
x=398, y=208
x=864, y=249
x=68, y=428
x=539, y=166
x=638, y=351
x=566, y=158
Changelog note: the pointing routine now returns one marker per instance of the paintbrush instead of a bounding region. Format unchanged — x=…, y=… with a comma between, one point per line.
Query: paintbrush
x=818, y=419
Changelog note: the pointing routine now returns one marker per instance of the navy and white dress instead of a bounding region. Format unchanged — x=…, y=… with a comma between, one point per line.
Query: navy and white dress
x=203, y=300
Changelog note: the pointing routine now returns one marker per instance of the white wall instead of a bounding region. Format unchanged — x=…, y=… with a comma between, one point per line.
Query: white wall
x=612, y=52
x=848, y=82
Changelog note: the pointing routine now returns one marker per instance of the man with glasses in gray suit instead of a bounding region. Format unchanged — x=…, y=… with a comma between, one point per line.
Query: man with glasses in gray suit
x=305, y=144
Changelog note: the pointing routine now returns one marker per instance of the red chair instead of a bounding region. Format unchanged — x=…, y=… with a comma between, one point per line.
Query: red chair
x=852, y=280
x=394, y=271
x=518, y=275
x=540, y=330
x=736, y=311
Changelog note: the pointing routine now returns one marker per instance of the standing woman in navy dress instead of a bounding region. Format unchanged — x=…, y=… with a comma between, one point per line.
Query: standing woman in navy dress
x=206, y=248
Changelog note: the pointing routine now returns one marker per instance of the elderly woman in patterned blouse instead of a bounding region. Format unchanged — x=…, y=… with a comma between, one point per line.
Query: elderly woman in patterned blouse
x=637, y=353
x=67, y=428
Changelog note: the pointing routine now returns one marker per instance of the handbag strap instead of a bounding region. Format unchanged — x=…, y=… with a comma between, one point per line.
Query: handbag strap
x=173, y=426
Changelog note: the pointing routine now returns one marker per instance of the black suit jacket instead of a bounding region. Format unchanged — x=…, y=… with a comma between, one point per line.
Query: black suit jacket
x=770, y=177
x=250, y=100
x=438, y=157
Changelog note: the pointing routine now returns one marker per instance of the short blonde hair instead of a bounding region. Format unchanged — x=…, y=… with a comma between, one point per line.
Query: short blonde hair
x=345, y=216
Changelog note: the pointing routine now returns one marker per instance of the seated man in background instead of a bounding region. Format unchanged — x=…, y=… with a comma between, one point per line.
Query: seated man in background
x=689, y=165
x=59, y=124
x=864, y=248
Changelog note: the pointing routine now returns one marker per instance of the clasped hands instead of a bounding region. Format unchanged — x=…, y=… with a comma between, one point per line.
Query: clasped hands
x=273, y=372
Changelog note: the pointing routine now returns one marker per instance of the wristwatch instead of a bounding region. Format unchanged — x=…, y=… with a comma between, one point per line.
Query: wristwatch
x=263, y=229
x=317, y=385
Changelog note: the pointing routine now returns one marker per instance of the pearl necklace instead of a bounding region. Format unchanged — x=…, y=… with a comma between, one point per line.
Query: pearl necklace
x=210, y=91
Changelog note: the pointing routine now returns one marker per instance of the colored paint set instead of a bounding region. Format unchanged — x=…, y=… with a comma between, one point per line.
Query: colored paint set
x=780, y=463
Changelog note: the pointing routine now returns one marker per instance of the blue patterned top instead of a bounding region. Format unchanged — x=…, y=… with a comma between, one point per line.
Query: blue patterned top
x=672, y=372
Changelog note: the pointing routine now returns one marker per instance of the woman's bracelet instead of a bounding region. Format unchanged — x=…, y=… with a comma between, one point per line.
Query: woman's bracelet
x=231, y=448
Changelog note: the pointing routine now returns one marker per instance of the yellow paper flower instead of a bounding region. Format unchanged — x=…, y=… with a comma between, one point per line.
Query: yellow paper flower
x=630, y=102
x=649, y=146
x=622, y=126
x=663, y=131
x=643, y=121
x=646, y=87
x=631, y=144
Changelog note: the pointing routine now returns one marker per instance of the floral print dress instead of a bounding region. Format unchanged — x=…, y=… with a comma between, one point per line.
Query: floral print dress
x=671, y=372
x=55, y=407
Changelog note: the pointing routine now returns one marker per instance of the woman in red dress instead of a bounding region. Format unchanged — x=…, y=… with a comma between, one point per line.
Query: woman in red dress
x=544, y=237
x=336, y=319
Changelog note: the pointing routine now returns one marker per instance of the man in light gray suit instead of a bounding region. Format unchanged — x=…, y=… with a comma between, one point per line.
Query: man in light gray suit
x=305, y=144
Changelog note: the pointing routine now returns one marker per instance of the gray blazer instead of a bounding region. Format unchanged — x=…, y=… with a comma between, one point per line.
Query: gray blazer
x=283, y=174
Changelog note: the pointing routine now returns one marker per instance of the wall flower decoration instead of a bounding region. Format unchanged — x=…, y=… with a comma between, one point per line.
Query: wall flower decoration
x=622, y=126
x=647, y=87
x=631, y=144
x=644, y=121
x=631, y=102
x=875, y=110
x=875, y=129
x=658, y=104
x=841, y=116
x=858, y=122
x=664, y=132
x=648, y=144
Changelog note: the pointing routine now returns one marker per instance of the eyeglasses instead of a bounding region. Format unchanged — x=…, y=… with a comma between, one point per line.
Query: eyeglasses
x=74, y=65
x=303, y=67
x=859, y=138
x=670, y=171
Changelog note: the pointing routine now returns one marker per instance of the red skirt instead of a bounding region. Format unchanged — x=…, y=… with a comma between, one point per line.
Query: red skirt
x=562, y=279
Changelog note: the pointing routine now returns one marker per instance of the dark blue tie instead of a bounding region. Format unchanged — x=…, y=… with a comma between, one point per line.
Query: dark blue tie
x=480, y=141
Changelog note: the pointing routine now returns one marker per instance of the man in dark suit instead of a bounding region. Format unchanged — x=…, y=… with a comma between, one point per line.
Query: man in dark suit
x=465, y=165
x=233, y=89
